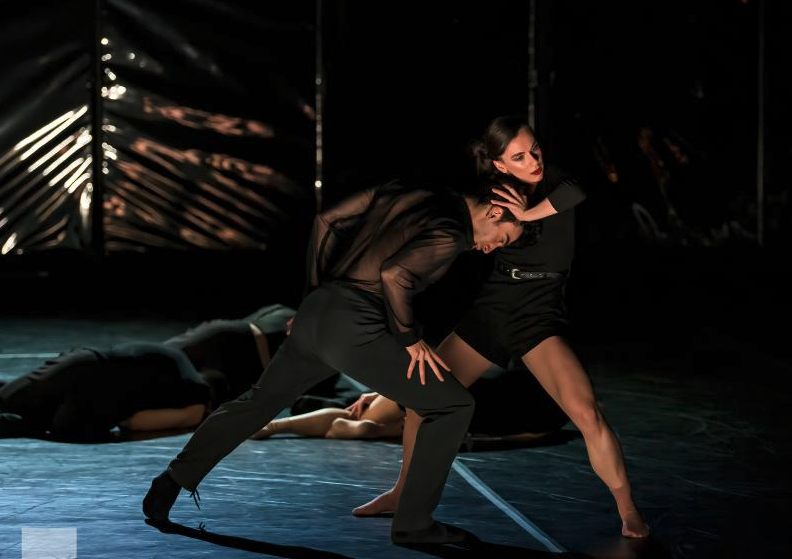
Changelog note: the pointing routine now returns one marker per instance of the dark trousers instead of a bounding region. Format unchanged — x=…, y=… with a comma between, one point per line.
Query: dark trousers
x=338, y=328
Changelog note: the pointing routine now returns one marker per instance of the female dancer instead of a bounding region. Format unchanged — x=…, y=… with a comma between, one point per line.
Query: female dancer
x=521, y=309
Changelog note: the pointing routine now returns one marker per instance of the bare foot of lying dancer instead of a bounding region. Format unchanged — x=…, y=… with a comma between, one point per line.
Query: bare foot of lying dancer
x=311, y=424
x=272, y=428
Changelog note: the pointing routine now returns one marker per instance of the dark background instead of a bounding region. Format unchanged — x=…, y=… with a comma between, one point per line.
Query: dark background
x=206, y=157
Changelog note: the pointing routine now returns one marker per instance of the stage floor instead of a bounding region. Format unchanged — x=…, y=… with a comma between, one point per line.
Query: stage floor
x=703, y=425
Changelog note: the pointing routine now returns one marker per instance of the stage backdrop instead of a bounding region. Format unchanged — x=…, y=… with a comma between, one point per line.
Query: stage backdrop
x=129, y=125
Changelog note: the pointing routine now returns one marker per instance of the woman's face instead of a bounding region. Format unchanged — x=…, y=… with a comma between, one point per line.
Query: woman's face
x=522, y=158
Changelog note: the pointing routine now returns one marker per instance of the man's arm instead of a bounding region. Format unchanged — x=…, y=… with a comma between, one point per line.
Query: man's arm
x=420, y=262
x=322, y=240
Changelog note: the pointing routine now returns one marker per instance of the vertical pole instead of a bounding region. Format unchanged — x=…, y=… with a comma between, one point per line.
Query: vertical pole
x=760, y=187
x=97, y=179
x=533, y=81
x=319, y=92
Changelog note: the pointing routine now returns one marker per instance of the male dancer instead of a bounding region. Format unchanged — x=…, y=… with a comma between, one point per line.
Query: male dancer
x=367, y=260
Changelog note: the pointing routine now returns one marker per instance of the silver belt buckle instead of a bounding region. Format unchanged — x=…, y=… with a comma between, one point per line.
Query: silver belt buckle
x=513, y=273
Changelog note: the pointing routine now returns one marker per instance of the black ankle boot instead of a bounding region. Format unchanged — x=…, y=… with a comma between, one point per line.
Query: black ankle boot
x=160, y=497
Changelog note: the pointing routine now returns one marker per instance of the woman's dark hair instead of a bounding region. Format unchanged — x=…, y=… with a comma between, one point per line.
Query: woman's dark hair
x=495, y=140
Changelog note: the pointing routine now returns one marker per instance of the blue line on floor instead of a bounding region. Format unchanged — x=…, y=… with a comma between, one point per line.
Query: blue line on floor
x=510, y=511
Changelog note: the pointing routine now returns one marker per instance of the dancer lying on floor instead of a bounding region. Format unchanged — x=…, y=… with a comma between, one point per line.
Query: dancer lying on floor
x=142, y=386
x=511, y=406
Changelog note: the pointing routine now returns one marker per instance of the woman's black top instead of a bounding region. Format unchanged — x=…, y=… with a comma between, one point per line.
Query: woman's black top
x=554, y=246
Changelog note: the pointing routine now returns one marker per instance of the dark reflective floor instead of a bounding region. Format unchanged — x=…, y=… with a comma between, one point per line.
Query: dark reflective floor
x=704, y=429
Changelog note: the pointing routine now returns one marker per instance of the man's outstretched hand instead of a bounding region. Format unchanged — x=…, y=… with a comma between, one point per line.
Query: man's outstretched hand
x=422, y=353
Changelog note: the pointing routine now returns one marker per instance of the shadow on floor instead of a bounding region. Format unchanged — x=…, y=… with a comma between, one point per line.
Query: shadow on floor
x=245, y=544
x=486, y=444
x=473, y=549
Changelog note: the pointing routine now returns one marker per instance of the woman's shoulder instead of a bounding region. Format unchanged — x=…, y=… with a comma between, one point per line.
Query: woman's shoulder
x=555, y=176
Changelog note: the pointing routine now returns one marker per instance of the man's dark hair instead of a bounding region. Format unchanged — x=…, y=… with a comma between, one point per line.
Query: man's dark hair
x=484, y=195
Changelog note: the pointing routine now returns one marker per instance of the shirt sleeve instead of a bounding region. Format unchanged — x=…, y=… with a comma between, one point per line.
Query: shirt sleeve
x=419, y=263
x=324, y=234
x=566, y=195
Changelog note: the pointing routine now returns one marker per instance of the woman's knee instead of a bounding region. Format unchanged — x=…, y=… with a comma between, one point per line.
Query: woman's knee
x=586, y=417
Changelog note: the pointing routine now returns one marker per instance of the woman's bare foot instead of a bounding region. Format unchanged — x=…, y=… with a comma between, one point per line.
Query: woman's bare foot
x=634, y=526
x=384, y=503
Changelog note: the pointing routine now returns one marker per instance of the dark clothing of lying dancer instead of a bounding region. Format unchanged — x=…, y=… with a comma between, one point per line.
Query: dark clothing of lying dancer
x=84, y=393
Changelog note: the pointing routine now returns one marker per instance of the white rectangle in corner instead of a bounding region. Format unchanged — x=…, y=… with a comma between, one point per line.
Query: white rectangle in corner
x=49, y=543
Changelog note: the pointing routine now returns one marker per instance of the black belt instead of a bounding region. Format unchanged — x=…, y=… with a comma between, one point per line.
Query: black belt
x=516, y=273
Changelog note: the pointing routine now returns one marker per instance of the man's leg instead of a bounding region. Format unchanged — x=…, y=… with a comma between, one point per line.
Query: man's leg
x=292, y=371
x=355, y=341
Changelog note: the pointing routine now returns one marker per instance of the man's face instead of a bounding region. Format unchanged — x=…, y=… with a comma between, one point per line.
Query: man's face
x=491, y=232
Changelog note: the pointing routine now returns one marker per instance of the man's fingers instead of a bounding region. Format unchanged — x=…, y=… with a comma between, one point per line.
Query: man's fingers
x=433, y=365
x=437, y=358
x=422, y=369
x=410, y=368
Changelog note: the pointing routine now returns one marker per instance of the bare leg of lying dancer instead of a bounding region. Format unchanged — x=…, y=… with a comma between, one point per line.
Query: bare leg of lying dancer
x=382, y=418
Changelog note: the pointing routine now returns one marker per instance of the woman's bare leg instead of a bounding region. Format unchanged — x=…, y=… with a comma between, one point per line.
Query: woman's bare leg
x=383, y=410
x=347, y=429
x=560, y=373
x=467, y=365
x=313, y=424
x=382, y=419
